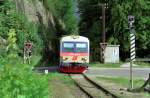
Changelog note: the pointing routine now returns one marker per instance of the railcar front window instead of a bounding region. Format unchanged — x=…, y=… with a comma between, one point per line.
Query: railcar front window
x=68, y=47
x=81, y=47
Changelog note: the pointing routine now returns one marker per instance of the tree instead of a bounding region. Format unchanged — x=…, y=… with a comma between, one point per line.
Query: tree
x=116, y=23
x=90, y=24
x=64, y=12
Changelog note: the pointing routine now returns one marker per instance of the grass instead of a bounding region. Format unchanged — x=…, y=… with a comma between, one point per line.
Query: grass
x=60, y=85
x=123, y=81
x=142, y=64
x=35, y=59
x=65, y=79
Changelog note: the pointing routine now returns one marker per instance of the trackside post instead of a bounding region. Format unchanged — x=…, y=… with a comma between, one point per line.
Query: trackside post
x=132, y=47
x=27, y=51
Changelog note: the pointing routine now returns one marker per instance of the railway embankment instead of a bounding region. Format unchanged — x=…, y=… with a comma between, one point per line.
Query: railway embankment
x=119, y=86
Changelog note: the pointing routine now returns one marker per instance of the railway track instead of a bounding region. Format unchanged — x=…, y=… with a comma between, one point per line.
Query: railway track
x=91, y=88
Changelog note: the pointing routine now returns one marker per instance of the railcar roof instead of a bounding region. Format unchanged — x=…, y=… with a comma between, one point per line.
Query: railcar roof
x=74, y=38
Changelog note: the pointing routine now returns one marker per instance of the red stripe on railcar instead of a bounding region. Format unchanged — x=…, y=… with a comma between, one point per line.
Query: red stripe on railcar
x=73, y=54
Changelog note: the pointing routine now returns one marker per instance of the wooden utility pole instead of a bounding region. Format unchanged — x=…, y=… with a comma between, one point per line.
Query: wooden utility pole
x=103, y=44
x=103, y=23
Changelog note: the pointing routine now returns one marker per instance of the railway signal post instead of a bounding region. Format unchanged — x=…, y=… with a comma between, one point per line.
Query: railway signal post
x=132, y=47
x=27, y=52
x=103, y=45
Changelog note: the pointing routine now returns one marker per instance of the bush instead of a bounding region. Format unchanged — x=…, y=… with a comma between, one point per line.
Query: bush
x=18, y=81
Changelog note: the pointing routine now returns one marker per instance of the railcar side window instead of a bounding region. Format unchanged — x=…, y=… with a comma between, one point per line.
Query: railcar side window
x=81, y=47
x=68, y=47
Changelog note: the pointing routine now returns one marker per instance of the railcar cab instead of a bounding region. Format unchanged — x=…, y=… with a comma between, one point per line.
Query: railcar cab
x=74, y=54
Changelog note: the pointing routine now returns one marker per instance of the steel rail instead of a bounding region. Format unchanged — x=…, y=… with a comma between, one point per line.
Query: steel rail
x=100, y=87
x=83, y=90
x=106, y=92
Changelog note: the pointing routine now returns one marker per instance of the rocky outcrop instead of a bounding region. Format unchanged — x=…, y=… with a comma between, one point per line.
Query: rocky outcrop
x=34, y=11
x=2, y=41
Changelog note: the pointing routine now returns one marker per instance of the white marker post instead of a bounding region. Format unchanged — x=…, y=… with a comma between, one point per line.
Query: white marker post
x=46, y=71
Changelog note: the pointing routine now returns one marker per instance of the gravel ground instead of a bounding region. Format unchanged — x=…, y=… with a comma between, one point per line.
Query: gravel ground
x=118, y=90
x=90, y=88
x=62, y=89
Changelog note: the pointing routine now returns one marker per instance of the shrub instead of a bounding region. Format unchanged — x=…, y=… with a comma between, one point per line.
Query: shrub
x=18, y=81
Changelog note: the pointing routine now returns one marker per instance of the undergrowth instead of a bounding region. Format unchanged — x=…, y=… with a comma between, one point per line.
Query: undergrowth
x=17, y=80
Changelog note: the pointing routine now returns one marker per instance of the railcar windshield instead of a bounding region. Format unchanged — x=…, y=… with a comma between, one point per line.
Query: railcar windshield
x=68, y=47
x=77, y=47
x=81, y=47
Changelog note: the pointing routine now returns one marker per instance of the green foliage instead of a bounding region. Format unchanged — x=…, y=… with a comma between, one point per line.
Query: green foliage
x=18, y=81
x=2, y=47
x=117, y=23
x=90, y=24
x=11, y=40
x=6, y=17
x=10, y=22
x=64, y=11
x=27, y=31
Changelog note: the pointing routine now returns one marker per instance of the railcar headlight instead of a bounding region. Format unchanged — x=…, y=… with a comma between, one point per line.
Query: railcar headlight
x=64, y=59
x=84, y=59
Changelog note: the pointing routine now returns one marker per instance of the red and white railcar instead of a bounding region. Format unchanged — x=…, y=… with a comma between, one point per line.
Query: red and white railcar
x=74, y=54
